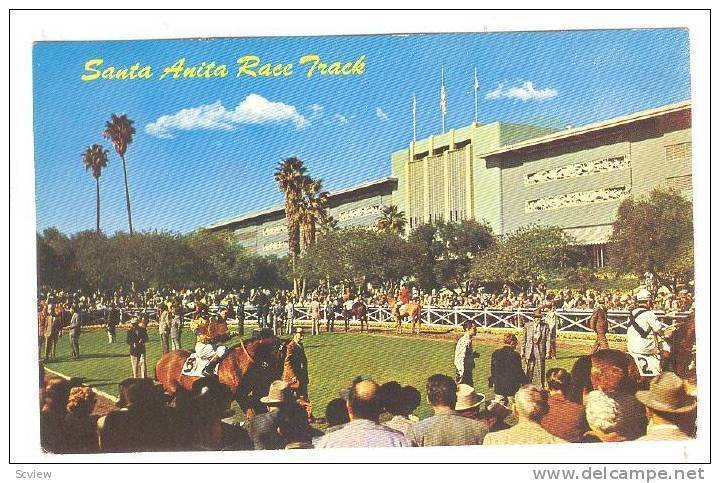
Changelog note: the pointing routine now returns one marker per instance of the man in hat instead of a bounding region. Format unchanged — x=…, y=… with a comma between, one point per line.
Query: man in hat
x=262, y=428
x=468, y=402
x=75, y=331
x=295, y=370
x=535, y=347
x=464, y=355
x=670, y=409
x=645, y=336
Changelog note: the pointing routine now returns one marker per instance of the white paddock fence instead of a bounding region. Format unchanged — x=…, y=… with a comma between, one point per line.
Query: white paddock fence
x=576, y=321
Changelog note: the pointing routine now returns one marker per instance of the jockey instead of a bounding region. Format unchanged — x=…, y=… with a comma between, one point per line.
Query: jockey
x=645, y=336
x=210, y=335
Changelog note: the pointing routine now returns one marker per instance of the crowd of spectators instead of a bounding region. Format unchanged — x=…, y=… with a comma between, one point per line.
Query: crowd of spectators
x=602, y=399
x=110, y=305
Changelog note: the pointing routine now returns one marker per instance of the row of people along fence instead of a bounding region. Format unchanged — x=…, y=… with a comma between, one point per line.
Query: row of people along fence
x=569, y=321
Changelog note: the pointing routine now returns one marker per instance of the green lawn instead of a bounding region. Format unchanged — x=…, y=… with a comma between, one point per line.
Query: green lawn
x=334, y=360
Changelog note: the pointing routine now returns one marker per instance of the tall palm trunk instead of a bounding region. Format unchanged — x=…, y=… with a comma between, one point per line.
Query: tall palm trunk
x=127, y=195
x=97, y=200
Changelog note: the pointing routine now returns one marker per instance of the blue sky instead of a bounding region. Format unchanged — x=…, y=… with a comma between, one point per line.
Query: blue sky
x=213, y=154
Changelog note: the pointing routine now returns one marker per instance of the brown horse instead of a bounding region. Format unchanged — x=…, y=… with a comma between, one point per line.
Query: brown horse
x=247, y=370
x=359, y=312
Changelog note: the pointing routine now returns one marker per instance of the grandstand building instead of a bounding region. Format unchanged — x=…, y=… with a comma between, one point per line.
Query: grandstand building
x=512, y=175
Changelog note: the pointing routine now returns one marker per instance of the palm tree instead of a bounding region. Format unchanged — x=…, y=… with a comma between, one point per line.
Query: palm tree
x=95, y=158
x=290, y=176
x=312, y=210
x=391, y=220
x=120, y=130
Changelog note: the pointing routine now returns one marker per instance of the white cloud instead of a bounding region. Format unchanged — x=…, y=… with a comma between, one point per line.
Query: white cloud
x=254, y=109
x=381, y=114
x=341, y=119
x=524, y=92
x=317, y=110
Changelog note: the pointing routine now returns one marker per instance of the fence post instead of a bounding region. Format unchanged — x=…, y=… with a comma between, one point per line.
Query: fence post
x=455, y=316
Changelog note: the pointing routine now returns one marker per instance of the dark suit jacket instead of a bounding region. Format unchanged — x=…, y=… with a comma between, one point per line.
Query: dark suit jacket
x=262, y=430
x=506, y=373
x=296, y=365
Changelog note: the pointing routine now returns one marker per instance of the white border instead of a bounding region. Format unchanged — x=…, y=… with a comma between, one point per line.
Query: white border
x=27, y=27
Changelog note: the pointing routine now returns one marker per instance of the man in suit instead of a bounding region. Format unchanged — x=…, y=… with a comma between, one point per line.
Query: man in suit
x=506, y=372
x=295, y=371
x=535, y=345
x=599, y=324
x=75, y=331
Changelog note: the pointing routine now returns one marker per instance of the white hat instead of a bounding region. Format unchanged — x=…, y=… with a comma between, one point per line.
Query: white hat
x=467, y=398
x=643, y=294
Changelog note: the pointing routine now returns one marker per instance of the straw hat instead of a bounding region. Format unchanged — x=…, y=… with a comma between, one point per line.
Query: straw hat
x=667, y=394
x=276, y=394
x=467, y=398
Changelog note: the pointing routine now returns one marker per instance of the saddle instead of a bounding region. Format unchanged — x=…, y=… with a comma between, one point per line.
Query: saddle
x=194, y=366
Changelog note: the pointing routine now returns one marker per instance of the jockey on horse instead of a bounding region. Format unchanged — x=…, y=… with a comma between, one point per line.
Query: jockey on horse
x=210, y=336
x=646, y=337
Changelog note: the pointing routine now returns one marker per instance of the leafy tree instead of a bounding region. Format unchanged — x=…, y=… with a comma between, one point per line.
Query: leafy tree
x=95, y=158
x=654, y=234
x=528, y=255
x=392, y=220
x=445, y=251
x=356, y=255
x=120, y=130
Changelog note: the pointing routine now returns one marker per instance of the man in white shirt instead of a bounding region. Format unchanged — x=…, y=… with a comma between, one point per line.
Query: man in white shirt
x=643, y=335
x=464, y=355
x=315, y=315
x=363, y=430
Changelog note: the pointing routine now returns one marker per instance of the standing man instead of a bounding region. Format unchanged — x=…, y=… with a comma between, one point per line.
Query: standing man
x=599, y=325
x=112, y=318
x=42, y=324
x=74, y=331
x=347, y=311
x=645, y=336
x=552, y=320
x=465, y=356
x=315, y=315
x=137, y=337
x=176, y=325
x=506, y=372
x=290, y=315
x=295, y=370
x=329, y=314
x=535, y=345
x=164, y=327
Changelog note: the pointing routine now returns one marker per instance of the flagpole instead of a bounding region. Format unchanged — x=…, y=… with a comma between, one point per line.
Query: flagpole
x=476, y=86
x=443, y=97
x=414, y=109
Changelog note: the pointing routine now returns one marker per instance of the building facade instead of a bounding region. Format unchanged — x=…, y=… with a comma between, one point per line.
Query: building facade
x=265, y=232
x=513, y=175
